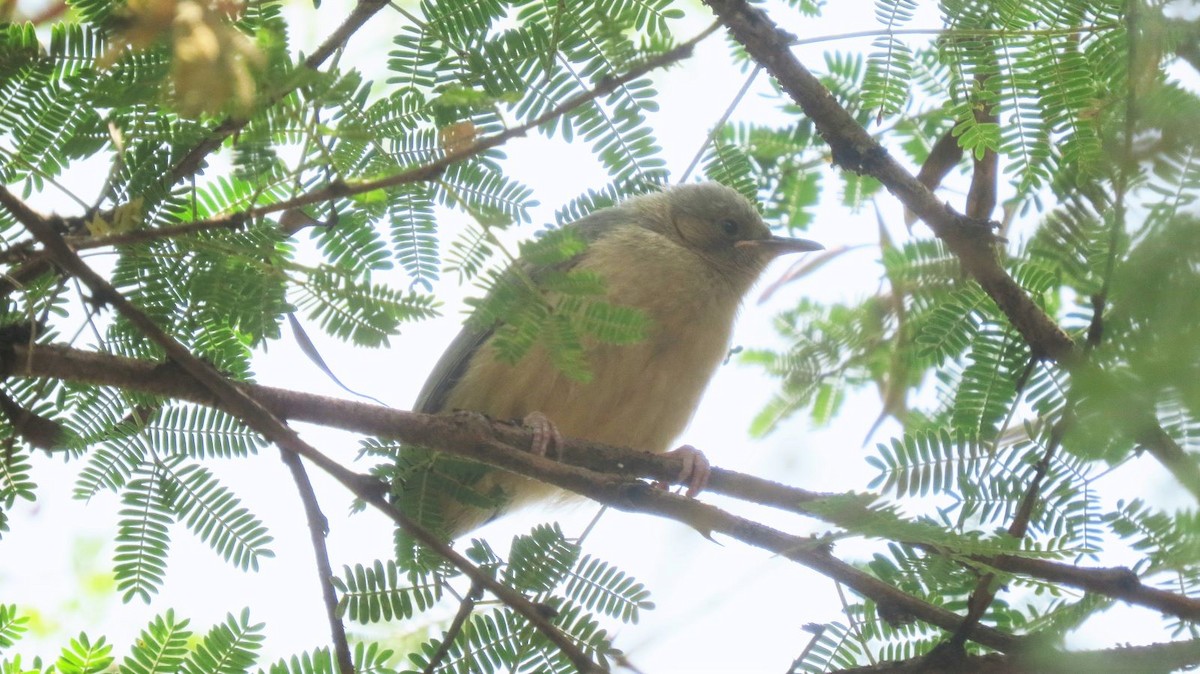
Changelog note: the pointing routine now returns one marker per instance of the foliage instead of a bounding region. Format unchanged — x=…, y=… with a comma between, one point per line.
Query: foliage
x=1112, y=259
x=242, y=183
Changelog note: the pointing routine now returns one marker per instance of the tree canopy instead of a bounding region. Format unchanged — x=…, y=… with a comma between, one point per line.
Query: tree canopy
x=1034, y=333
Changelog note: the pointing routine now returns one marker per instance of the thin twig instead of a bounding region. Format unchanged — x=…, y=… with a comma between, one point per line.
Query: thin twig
x=985, y=592
x=712, y=134
x=430, y=171
x=1095, y=331
x=954, y=32
x=854, y=624
x=465, y=607
x=194, y=159
x=318, y=529
x=816, y=631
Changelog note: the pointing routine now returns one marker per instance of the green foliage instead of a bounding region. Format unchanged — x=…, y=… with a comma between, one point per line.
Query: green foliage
x=84, y=657
x=228, y=648
x=216, y=516
x=15, y=480
x=140, y=562
x=383, y=592
x=727, y=164
x=987, y=423
x=581, y=594
x=367, y=658
x=12, y=625
x=161, y=647
x=833, y=646
x=599, y=586
x=546, y=302
x=541, y=560
x=889, y=70
x=166, y=645
x=201, y=432
x=502, y=641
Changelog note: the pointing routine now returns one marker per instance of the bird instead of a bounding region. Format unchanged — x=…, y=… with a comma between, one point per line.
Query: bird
x=685, y=257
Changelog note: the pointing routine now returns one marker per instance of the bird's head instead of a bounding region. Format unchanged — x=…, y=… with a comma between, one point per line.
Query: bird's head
x=721, y=226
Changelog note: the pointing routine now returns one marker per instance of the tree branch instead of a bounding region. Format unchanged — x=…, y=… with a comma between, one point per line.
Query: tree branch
x=465, y=607
x=855, y=150
x=985, y=589
x=496, y=442
x=1151, y=659
x=478, y=443
x=318, y=528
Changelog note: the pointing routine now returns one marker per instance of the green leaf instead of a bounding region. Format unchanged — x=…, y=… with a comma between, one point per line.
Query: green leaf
x=597, y=585
x=84, y=657
x=229, y=648
x=12, y=625
x=383, y=592
x=142, y=538
x=214, y=514
x=160, y=648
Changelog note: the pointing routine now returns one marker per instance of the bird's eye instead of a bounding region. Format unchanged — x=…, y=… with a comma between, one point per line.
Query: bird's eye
x=730, y=227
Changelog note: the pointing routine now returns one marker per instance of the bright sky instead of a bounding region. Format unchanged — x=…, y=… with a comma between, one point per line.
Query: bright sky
x=722, y=607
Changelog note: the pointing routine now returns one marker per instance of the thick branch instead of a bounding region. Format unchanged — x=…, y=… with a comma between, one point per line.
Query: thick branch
x=1152, y=659
x=168, y=380
x=494, y=442
x=1117, y=582
x=474, y=437
x=810, y=552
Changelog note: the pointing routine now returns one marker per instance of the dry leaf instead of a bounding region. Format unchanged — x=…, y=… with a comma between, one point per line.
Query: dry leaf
x=457, y=137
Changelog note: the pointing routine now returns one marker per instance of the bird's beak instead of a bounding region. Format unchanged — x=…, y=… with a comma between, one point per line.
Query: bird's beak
x=781, y=245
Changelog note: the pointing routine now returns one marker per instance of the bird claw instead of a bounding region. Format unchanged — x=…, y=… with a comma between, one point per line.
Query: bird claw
x=696, y=469
x=545, y=434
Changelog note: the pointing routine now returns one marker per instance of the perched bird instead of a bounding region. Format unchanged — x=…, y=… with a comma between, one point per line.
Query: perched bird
x=684, y=257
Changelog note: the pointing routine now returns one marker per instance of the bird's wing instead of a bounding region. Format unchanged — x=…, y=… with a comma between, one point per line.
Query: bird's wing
x=453, y=363
x=449, y=369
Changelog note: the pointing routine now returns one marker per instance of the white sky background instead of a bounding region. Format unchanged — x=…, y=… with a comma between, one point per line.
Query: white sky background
x=721, y=607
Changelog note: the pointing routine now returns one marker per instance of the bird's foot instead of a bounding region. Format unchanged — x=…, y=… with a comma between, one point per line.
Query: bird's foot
x=696, y=469
x=545, y=434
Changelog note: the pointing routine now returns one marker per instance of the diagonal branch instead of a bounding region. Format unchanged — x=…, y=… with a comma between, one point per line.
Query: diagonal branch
x=969, y=239
x=241, y=404
x=855, y=150
x=985, y=589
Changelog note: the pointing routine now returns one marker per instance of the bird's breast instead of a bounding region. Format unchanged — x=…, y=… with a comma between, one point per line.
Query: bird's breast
x=640, y=395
